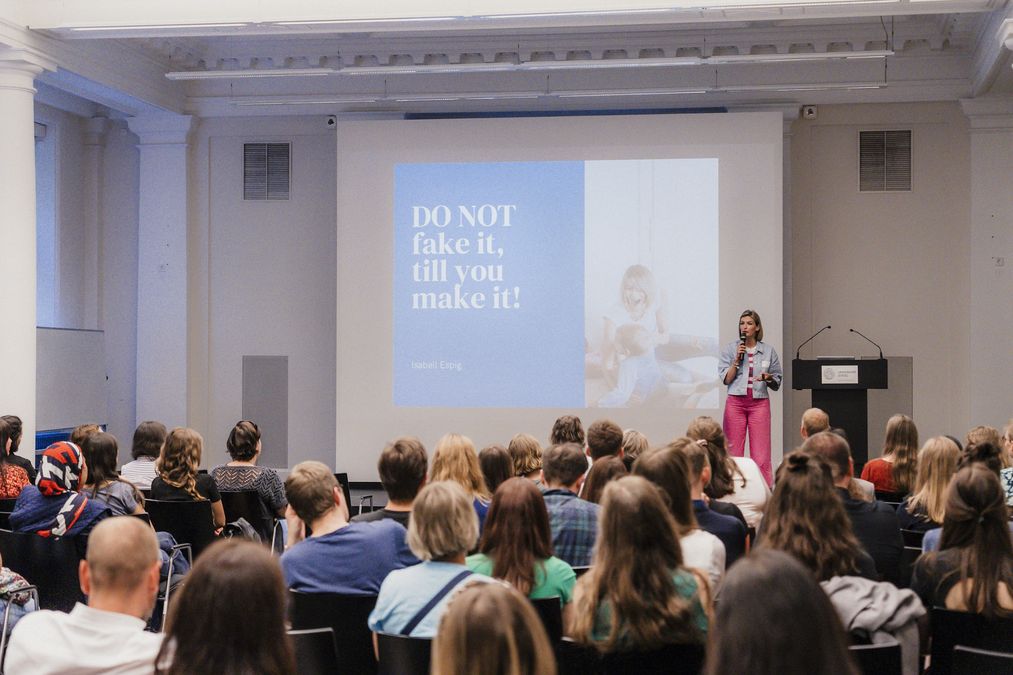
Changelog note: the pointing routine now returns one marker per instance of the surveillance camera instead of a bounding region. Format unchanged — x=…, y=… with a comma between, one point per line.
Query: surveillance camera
x=809, y=112
x=331, y=120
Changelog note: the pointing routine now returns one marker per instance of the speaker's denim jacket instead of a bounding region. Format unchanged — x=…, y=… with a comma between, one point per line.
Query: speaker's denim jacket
x=764, y=361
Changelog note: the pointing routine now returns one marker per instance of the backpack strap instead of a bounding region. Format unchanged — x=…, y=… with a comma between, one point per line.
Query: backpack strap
x=424, y=612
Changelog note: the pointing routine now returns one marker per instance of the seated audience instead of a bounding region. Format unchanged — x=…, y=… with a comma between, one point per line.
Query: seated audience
x=402, y=468
x=490, y=628
x=229, y=619
x=567, y=429
x=897, y=469
x=793, y=631
x=874, y=523
x=602, y=472
x=604, y=439
x=442, y=532
x=145, y=449
x=806, y=519
x=736, y=480
x=984, y=453
x=339, y=556
x=83, y=431
x=455, y=459
x=120, y=577
x=178, y=480
x=14, y=424
x=637, y=594
x=13, y=595
x=814, y=421
x=701, y=550
x=937, y=462
x=1006, y=475
x=573, y=521
x=103, y=484
x=12, y=476
x=973, y=569
x=526, y=454
x=634, y=443
x=242, y=473
x=983, y=434
x=497, y=465
x=516, y=545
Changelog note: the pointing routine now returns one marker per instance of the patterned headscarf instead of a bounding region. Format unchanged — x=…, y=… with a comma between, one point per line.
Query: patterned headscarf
x=59, y=469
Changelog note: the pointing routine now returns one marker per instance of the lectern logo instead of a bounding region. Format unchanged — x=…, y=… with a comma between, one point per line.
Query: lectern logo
x=829, y=374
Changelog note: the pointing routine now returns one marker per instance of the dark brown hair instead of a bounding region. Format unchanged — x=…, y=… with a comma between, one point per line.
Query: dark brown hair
x=14, y=426
x=604, y=438
x=667, y=468
x=100, y=452
x=402, y=467
x=83, y=431
x=148, y=439
x=723, y=467
x=516, y=535
x=602, y=472
x=986, y=454
x=243, y=440
x=497, y=466
x=563, y=464
x=567, y=429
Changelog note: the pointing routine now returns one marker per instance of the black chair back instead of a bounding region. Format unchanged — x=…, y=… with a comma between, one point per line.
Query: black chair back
x=315, y=651
x=50, y=564
x=908, y=556
x=188, y=522
x=950, y=628
x=892, y=497
x=248, y=504
x=7, y=504
x=145, y=492
x=342, y=479
x=402, y=655
x=581, y=571
x=971, y=661
x=5, y=520
x=674, y=659
x=551, y=613
x=877, y=659
x=573, y=658
x=912, y=538
x=347, y=616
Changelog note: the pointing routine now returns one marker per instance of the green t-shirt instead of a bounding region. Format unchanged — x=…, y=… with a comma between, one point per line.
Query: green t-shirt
x=552, y=576
x=685, y=586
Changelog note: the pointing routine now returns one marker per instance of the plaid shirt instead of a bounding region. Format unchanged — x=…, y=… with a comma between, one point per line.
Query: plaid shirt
x=574, y=523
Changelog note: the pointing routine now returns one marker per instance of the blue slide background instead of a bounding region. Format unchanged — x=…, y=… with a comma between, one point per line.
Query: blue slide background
x=531, y=356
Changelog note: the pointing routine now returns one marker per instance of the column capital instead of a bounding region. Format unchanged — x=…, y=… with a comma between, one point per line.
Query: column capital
x=19, y=68
x=989, y=114
x=161, y=129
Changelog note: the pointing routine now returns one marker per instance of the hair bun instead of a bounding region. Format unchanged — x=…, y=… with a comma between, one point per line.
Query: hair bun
x=798, y=461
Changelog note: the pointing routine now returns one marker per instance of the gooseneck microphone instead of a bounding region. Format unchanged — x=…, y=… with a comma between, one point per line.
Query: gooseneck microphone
x=799, y=350
x=869, y=341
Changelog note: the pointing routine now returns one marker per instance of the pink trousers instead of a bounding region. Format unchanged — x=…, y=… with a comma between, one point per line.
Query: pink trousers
x=745, y=413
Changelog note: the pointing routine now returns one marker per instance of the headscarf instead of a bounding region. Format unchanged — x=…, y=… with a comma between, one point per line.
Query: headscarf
x=59, y=469
x=56, y=508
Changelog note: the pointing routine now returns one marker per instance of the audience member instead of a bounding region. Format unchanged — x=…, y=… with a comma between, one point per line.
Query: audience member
x=178, y=479
x=601, y=473
x=83, y=431
x=15, y=602
x=145, y=449
x=242, y=473
x=634, y=443
x=229, y=619
x=497, y=465
x=573, y=521
x=338, y=557
x=983, y=434
x=455, y=460
x=490, y=629
x=1006, y=475
x=669, y=470
x=873, y=522
x=897, y=469
x=984, y=453
x=637, y=594
x=13, y=478
x=120, y=578
x=516, y=545
x=736, y=480
x=103, y=484
x=806, y=519
x=444, y=528
x=567, y=429
x=526, y=454
x=973, y=570
x=814, y=421
x=791, y=631
x=14, y=426
x=402, y=468
x=937, y=462
x=604, y=439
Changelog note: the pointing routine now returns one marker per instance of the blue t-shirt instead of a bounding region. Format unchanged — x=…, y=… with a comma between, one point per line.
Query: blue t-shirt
x=405, y=592
x=352, y=561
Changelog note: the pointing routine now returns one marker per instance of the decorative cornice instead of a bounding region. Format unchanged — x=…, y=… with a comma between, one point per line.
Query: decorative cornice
x=989, y=115
x=161, y=129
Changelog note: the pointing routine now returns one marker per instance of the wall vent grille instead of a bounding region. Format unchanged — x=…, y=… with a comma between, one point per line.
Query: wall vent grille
x=266, y=171
x=884, y=163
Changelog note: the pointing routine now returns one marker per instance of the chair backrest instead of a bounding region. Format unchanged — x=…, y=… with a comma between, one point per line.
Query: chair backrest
x=551, y=613
x=674, y=659
x=403, y=655
x=951, y=628
x=50, y=564
x=971, y=661
x=7, y=504
x=342, y=479
x=5, y=520
x=315, y=651
x=892, y=497
x=574, y=658
x=907, y=562
x=248, y=504
x=188, y=522
x=581, y=571
x=877, y=659
x=912, y=537
x=347, y=615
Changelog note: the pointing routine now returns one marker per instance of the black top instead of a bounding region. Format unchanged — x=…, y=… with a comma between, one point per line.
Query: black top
x=383, y=514
x=875, y=524
x=917, y=520
x=206, y=488
x=934, y=576
x=25, y=464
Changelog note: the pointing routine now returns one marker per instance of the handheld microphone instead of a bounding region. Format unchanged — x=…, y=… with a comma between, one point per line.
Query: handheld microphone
x=798, y=351
x=742, y=341
x=869, y=341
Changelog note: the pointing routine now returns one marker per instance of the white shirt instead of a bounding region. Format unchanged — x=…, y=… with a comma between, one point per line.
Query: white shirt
x=705, y=552
x=752, y=497
x=83, y=642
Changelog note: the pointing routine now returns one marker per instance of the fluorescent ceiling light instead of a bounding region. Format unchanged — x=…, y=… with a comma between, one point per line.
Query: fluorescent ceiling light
x=801, y=56
x=605, y=94
x=338, y=22
x=245, y=74
x=307, y=101
x=85, y=29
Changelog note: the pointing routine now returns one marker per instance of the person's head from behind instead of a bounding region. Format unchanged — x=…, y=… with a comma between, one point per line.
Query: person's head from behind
x=902, y=444
x=697, y=459
x=638, y=290
x=526, y=453
x=83, y=431
x=603, y=472
x=402, y=467
x=983, y=434
x=604, y=439
x=230, y=615
x=814, y=421
x=491, y=629
x=148, y=439
x=634, y=339
x=793, y=631
x=444, y=525
x=937, y=462
x=455, y=459
x=516, y=534
x=563, y=466
x=14, y=426
x=497, y=465
x=835, y=452
x=634, y=443
x=120, y=571
x=243, y=443
x=668, y=469
x=984, y=453
x=62, y=469
x=312, y=491
x=567, y=429
x=179, y=461
x=100, y=452
x=6, y=439
x=723, y=469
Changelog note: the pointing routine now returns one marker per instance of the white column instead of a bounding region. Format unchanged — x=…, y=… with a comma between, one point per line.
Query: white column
x=17, y=238
x=161, y=268
x=94, y=150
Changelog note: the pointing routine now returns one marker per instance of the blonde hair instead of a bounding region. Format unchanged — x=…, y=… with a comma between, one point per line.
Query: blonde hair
x=986, y=434
x=491, y=628
x=634, y=443
x=526, y=454
x=443, y=522
x=937, y=462
x=1007, y=452
x=179, y=460
x=455, y=459
x=902, y=444
x=641, y=278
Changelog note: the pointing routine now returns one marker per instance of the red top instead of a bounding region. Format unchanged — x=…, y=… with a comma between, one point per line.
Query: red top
x=12, y=479
x=879, y=472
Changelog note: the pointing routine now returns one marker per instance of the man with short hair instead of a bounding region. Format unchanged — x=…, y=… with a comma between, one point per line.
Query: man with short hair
x=402, y=468
x=814, y=421
x=567, y=429
x=604, y=439
x=120, y=577
x=574, y=521
x=875, y=523
x=729, y=529
x=339, y=556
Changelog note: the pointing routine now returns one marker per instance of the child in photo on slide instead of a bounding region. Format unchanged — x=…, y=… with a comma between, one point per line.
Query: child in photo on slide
x=639, y=376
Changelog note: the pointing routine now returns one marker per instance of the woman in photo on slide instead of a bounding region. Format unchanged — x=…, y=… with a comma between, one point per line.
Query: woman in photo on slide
x=750, y=368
